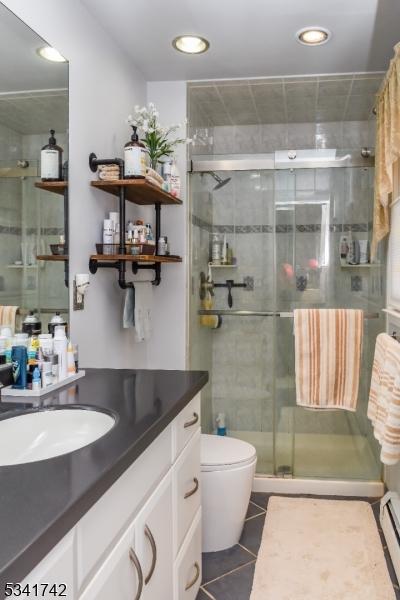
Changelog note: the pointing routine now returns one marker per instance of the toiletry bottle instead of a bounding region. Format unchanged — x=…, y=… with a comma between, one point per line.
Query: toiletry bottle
x=135, y=157
x=60, y=348
x=70, y=360
x=221, y=427
x=175, y=181
x=19, y=357
x=108, y=236
x=51, y=160
x=36, y=380
x=47, y=378
x=163, y=249
x=344, y=247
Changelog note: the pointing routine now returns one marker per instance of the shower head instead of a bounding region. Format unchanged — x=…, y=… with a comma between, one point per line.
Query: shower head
x=220, y=182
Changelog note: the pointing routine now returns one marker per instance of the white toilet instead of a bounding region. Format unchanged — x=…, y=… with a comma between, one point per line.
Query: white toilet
x=227, y=470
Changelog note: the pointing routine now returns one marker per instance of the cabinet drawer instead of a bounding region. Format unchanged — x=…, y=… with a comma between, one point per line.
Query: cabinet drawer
x=187, y=493
x=185, y=425
x=187, y=575
x=103, y=523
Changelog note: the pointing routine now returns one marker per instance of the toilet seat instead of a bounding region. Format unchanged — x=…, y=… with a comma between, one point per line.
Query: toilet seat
x=220, y=453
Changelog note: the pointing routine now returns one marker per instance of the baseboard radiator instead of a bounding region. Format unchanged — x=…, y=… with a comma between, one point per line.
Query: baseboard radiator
x=390, y=522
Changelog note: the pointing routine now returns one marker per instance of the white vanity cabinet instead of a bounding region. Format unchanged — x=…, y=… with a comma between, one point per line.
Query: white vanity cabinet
x=142, y=538
x=140, y=566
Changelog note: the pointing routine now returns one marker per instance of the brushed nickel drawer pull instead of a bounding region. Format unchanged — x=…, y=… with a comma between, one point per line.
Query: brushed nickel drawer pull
x=195, y=578
x=192, y=421
x=153, y=545
x=135, y=561
x=194, y=490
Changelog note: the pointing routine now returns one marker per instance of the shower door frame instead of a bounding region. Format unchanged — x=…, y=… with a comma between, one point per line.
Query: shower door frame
x=296, y=159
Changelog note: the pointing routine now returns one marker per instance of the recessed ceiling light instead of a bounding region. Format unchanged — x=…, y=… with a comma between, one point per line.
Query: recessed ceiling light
x=50, y=53
x=313, y=36
x=190, y=44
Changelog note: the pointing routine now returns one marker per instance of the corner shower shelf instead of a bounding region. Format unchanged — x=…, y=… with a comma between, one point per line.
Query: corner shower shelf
x=345, y=265
x=138, y=191
x=222, y=266
x=57, y=187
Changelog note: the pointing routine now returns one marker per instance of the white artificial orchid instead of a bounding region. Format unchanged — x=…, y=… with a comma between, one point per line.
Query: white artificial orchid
x=156, y=138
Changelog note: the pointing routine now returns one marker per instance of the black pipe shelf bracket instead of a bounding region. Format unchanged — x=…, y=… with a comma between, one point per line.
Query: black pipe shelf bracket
x=119, y=263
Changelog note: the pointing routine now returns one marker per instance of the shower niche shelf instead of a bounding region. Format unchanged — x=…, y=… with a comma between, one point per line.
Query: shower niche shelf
x=213, y=266
x=143, y=193
x=345, y=265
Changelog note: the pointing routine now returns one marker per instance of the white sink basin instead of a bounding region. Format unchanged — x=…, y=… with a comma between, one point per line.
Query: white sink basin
x=38, y=435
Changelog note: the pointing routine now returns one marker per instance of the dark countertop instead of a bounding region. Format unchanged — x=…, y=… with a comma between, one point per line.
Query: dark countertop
x=40, y=502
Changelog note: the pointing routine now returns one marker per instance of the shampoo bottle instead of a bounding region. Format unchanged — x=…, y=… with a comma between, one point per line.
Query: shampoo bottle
x=51, y=160
x=19, y=358
x=60, y=348
x=221, y=427
x=135, y=157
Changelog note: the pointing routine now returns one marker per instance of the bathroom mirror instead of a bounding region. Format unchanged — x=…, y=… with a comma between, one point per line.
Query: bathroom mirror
x=33, y=220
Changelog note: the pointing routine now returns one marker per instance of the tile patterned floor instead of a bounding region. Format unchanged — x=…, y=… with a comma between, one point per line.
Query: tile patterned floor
x=228, y=575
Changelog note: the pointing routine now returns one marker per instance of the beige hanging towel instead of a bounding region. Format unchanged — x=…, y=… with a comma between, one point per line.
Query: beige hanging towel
x=328, y=344
x=384, y=397
x=8, y=315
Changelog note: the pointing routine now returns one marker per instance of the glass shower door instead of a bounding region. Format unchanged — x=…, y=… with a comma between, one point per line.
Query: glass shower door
x=239, y=355
x=314, y=208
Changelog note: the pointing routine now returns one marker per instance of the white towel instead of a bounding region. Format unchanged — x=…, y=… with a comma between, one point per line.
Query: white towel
x=143, y=309
x=128, y=319
x=384, y=397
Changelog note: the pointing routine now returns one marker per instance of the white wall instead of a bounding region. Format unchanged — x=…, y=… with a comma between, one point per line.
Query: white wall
x=167, y=349
x=104, y=86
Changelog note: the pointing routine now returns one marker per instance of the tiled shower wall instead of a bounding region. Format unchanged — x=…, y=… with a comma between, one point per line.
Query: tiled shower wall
x=245, y=364
x=248, y=139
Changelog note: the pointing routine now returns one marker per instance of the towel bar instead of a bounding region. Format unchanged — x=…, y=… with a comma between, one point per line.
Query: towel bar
x=261, y=313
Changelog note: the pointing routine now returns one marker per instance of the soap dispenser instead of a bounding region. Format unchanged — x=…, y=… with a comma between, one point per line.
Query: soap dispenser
x=135, y=157
x=51, y=160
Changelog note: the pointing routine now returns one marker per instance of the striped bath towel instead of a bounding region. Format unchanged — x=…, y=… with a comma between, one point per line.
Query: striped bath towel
x=328, y=346
x=384, y=397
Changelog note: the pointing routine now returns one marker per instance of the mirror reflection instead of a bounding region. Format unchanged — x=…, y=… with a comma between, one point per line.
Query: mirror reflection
x=33, y=212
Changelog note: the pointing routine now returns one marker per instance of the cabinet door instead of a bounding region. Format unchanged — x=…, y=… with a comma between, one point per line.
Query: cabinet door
x=154, y=543
x=53, y=576
x=121, y=575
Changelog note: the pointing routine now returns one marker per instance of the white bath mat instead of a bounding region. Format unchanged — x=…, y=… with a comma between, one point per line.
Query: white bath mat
x=320, y=550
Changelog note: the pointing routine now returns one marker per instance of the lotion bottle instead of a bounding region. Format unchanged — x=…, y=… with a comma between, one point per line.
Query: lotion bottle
x=135, y=157
x=51, y=160
x=60, y=348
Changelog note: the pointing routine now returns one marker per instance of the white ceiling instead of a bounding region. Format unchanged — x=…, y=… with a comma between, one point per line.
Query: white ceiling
x=21, y=68
x=251, y=38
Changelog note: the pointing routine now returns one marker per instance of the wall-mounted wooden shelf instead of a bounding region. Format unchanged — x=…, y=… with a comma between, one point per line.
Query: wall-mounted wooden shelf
x=57, y=187
x=138, y=191
x=138, y=258
x=53, y=257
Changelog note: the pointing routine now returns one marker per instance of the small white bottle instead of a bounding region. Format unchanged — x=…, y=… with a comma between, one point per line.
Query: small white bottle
x=175, y=181
x=61, y=349
x=70, y=360
x=108, y=236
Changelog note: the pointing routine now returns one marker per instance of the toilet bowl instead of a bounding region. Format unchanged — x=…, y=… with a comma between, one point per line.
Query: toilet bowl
x=227, y=470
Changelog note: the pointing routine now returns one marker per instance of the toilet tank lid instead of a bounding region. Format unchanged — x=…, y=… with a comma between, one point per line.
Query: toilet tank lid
x=223, y=450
